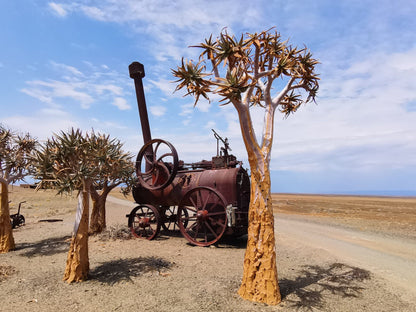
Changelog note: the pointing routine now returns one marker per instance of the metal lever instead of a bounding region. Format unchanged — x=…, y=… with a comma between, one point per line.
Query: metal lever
x=226, y=147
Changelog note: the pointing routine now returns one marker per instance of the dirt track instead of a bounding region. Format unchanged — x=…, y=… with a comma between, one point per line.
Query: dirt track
x=392, y=258
x=323, y=266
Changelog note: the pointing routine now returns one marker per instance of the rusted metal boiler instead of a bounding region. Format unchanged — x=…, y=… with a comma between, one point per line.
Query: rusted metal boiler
x=204, y=200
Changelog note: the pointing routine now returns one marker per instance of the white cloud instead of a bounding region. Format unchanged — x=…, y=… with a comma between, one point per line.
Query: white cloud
x=82, y=89
x=360, y=121
x=203, y=106
x=164, y=85
x=43, y=123
x=193, y=146
x=54, y=112
x=186, y=109
x=58, y=9
x=93, y=12
x=181, y=13
x=100, y=88
x=158, y=110
x=103, y=126
x=45, y=91
x=121, y=103
x=210, y=124
x=173, y=25
x=66, y=69
x=38, y=94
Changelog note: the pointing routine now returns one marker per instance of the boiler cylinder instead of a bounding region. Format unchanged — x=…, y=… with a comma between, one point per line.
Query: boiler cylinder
x=232, y=183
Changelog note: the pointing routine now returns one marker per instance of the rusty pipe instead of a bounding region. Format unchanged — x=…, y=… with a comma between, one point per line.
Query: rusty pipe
x=136, y=71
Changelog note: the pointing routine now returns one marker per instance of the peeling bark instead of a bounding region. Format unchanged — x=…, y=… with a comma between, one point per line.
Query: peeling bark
x=77, y=263
x=260, y=282
x=98, y=214
x=98, y=222
x=6, y=232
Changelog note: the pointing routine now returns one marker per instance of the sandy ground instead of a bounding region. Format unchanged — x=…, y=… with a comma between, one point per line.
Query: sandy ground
x=325, y=263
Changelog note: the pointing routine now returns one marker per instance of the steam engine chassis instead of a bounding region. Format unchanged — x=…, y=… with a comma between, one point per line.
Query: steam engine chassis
x=204, y=200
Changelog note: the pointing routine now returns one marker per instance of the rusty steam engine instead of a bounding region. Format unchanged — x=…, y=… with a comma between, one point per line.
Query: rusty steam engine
x=205, y=200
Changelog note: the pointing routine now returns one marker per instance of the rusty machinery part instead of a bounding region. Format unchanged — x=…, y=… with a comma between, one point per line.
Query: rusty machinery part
x=169, y=218
x=157, y=164
x=17, y=219
x=226, y=147
x=144, y=222
x=206, y=218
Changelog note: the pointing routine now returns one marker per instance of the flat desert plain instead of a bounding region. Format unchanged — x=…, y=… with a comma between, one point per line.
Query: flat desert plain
x=334, y=253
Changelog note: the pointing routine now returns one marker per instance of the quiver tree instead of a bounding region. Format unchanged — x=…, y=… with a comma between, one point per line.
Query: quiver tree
x=65, y=160
x=15, y=163
x=114, y=168
x=74, y=162
x=256, y=70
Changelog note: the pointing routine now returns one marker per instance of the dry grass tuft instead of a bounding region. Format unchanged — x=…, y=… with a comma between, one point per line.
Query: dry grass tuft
x=6, y=271
x=115, y=232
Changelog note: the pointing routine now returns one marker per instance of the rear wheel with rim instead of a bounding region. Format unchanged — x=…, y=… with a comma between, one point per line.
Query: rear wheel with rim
x=144, y=222
x=202, y=216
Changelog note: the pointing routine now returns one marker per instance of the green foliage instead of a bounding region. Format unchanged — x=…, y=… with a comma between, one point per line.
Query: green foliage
x=191, y=77
x=69, y=158
x=16, y=151
x=251, y=65
x=113, y=165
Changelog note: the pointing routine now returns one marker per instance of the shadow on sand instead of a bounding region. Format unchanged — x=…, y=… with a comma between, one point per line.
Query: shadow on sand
x=46, y=247
x=316, y=282
x=226, y=241
x=116, y=271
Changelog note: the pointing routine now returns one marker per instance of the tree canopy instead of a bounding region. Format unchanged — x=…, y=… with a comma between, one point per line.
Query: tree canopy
x=16, y=152
x=251, y=64
x=69, y=157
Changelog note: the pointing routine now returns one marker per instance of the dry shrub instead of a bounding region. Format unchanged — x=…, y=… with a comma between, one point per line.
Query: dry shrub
x=118, y=231
x=6, y=271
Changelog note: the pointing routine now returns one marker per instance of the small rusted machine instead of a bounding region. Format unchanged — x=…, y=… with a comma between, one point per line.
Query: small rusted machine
x=205, y=200
x=17, y=219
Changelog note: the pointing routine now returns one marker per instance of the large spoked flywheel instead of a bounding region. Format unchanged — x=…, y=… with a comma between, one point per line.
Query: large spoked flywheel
x=202, y=216
x=157, y=164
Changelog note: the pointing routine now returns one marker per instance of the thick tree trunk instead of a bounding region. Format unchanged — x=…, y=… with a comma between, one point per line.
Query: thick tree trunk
x=260, y=281
x=98, y=222
x=6, y=233
x=77, y=263
x=98, y=218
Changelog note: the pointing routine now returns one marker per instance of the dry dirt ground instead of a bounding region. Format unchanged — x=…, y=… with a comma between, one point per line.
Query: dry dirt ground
x=334, y=254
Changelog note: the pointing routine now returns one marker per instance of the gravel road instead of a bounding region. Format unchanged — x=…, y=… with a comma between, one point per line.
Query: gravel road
x=393, y=258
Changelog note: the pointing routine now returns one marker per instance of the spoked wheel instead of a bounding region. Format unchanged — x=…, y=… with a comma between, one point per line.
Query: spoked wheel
x=170, y=218
x=205, y=219
x=17, y=220
x=156, y=164
x=144, y=222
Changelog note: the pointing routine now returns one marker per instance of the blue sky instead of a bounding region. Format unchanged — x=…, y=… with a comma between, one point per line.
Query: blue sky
x=65, y=64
